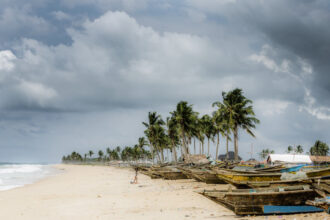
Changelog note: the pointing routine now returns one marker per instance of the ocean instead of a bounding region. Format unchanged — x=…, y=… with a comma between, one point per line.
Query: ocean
x=17, y=175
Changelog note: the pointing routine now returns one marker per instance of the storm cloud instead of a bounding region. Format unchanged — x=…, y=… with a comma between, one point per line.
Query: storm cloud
x=80, y=75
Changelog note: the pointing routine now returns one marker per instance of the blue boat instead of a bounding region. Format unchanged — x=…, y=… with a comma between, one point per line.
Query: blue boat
x=292, y=169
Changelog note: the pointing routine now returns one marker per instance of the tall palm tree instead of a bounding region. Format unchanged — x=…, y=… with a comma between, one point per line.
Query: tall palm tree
x=241, y=114
x=209, y=130
x=218, y=121
x=153, y=126
x=173, y=136
x=200, y=129
x=184, y=118
x=109, y=152
x=90, y=153
x=100, y=153
x=319, y=149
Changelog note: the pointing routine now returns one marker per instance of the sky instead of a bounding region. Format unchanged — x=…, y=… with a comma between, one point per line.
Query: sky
x=77, y=75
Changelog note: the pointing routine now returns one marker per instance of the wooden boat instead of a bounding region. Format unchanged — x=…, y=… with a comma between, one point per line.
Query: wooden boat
x=207, y=176
x=283, y=169
x=169, y=172
x=187, y=171
x=246, y=180
x=257, y=201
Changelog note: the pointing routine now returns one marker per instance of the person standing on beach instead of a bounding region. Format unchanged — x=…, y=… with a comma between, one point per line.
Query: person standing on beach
x=135, y=181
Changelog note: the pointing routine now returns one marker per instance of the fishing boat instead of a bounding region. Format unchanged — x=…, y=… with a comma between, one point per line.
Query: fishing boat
x=207, y=176
x=169, y=173
x=245, y=180
x=187, y=171
x=264, y=200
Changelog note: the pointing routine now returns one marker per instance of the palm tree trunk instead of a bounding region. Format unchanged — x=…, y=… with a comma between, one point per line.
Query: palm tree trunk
x=227, y=155
x=217, y=149
x=203, y=146
x=194, y=146
x=158, y=156
x=174, y=153
x=184, y=144
x=162, y=154
x=236, y=142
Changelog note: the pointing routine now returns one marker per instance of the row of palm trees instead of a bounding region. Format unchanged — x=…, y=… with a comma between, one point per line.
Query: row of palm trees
x=184, y=126
x=126, y=154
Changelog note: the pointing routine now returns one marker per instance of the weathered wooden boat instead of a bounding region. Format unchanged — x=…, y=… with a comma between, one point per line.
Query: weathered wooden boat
x=245, y=180
x=187, y=171
x=207, y=176
x=257, y=201
x=169, y=172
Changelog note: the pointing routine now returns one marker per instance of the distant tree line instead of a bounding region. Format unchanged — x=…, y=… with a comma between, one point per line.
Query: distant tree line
x=319, y=148
x=126, y=154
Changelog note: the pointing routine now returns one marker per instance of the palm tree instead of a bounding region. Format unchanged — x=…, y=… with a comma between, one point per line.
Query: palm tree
x=90, y=153
x=290, y=149
x=319, y=149
x=153, y=126
x=108, y=150
x=240, y=113
x=142, y=142
x=200, y=129
x=173, y=136
x=222, y=118
x=209, y=130
x=299, y=149
x=264, y=153
x=100, y=153
x=184, y=118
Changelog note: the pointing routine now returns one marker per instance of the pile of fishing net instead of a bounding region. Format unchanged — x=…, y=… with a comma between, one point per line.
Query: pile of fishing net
x=294, y=176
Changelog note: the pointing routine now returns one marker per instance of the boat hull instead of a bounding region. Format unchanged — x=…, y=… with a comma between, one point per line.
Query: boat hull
x=253, y=201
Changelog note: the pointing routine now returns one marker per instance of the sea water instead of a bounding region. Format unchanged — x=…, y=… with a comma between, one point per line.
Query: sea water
x=17, y=175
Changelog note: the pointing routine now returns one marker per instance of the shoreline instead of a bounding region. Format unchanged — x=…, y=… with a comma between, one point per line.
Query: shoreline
x=103, y=192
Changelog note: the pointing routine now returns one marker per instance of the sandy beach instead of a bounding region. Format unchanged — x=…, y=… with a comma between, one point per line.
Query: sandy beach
x=97, y=192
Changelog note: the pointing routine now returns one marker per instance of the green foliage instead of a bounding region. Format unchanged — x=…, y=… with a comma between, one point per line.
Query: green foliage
x=299, y=149
x=239, y=113
x=185, y=119
x=290, y=149
x=319, y=149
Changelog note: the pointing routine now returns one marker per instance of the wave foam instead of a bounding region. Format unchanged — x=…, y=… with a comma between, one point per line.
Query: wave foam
x=20, y=168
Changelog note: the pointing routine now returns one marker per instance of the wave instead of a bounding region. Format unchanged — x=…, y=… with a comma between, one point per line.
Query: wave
x=26, y=168
x=17, y=175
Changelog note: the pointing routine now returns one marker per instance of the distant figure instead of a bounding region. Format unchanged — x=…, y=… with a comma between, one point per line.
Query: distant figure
x=135, y=181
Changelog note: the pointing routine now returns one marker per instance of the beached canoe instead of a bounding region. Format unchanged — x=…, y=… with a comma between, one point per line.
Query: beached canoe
x=207, y=176
x=246, y=180
x=254, y=201
x=187, y=171
x=169, y=172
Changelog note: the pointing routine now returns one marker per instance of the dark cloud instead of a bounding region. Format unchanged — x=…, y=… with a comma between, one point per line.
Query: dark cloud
x=82, y=74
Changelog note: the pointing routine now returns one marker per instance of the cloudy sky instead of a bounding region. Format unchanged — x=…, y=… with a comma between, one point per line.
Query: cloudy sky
x=83, y=74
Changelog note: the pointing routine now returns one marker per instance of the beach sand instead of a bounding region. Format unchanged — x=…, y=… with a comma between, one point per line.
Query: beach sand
x=102, y=192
